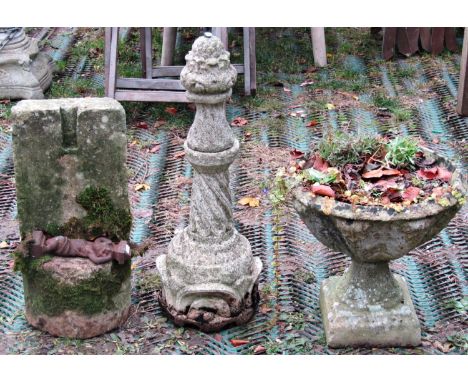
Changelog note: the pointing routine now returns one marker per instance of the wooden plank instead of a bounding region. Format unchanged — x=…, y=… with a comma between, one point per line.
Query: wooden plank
x=462, y=99
x=168, y=46
x=113, y=63
x=437, y=40
x=451, y=39
x=253, y=62
x=174, y=71
x=246, y=36
x=148, y=52
x=150, y=96
x=425, y=36
x=388, y=44
x=107, y=44
x=143, y=52
x=413, y=39
x=149, y=84
x=403, y=42
x=318, y=46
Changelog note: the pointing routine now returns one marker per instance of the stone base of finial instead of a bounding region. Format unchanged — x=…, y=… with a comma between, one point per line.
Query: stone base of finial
x=374, y=326
x=209, y=286
x=211, y=321
x=74, y=297
x=25, y=73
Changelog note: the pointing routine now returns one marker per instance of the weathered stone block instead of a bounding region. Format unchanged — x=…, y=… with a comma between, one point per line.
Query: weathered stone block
x=61, y=147
x=71, y=180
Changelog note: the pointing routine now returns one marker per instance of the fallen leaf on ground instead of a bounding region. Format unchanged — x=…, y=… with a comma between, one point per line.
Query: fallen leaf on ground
x=330, y=106
x=171, y=110
x=142, y=125
x=305, y=83
x=323, y=190
x=259, y=349
x=239, y=121
x=287, y=90
x=141, y=187
x=411, y=193
x=237, y=343
x=379, y=173
x=312, y=123
x=159, y=123
x=155, y=148
x=179, y=155
x=4, y=245
x=296, y=154
x=320, y=164
x=248, y=134
x=248, y=200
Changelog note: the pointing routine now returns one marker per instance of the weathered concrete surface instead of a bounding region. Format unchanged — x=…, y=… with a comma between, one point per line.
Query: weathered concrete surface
x=66, y=274
x=25, y=73
x=373, y=325
x=71, y=180
x=61, y=147
x=209, y=275
x=368, y=306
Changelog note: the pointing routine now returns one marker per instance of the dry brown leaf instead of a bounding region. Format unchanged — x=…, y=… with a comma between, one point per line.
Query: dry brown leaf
x=251, y=202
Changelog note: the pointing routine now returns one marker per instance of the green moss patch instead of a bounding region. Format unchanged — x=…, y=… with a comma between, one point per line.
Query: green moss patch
x=44, y=294
x=102, y=219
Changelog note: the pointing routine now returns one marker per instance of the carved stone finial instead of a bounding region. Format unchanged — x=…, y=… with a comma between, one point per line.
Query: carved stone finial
x=208, y=69
x=209, y=275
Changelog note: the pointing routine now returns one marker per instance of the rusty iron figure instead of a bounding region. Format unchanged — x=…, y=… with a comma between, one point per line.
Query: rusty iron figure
x=98, y=251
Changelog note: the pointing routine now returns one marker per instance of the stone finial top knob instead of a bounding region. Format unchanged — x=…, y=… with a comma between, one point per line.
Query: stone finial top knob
x=208, y=69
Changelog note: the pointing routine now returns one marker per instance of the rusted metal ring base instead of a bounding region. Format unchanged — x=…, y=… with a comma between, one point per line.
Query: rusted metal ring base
x=209, y=322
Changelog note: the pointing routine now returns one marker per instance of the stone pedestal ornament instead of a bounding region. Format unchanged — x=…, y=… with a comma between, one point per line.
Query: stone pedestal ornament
x=74, y=214
x=368, y=305
x=25, y=73
x=209, y=275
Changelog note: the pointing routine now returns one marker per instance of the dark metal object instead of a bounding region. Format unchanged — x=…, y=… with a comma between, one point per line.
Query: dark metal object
x=98, y=251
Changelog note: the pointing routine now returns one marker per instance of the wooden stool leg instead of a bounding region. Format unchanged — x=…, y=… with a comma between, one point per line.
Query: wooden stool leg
x=143, y=52
x=148, y=53
x=462, y=102
x=107, y=44
x=247, y=61
x=222, y=34
x=114, y=38
x=318, y=46
x=253, y=62
x=168, y=46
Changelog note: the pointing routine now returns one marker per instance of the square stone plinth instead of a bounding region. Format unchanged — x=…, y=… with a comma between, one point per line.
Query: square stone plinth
x=374, y=327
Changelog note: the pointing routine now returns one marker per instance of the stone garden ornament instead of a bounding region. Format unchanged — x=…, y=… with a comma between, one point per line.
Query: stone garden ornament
x=368, y=305
x=25, y=73
x=209, y=275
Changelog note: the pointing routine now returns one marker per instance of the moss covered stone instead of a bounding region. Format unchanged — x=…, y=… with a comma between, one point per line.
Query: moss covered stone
x=53, y=285
x=102, y=218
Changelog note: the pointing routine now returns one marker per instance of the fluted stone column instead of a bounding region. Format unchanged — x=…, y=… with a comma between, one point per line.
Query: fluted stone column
x=25, y=73
x=209, y=275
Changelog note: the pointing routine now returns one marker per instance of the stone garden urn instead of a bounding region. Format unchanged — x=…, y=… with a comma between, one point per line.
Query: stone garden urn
x=368, y=305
